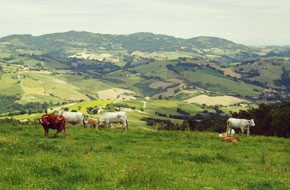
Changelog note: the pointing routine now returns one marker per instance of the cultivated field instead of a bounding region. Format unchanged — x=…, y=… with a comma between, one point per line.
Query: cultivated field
x=216, y=100
x=139, y=159
x=115, y=94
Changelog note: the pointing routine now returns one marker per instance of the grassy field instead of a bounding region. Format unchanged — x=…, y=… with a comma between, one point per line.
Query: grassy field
x=9, y=86
x=218, y=84
x=139, y=159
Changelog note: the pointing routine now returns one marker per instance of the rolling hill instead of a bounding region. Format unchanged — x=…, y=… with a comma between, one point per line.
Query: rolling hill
x=73, y=66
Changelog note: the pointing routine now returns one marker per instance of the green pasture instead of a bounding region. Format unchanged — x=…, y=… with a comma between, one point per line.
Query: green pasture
x=228, y=109
x=139, y=159
x=268, y=73
x=86, y=104
x=31, y=117
x=170, y=107
x=9, y=86
x=39, y=98
x=30, y=86
x=58, y=87
x=131, y=103
x=218, y=84
x=86, y=86
x=169, y=55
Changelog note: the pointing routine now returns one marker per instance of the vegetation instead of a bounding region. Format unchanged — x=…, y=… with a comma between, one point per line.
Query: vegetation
x=114, y=159
x=8, y=104
x=88, y=63
x=270, y=120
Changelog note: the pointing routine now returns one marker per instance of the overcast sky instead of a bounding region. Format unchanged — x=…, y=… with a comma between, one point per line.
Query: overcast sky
x=249, y=22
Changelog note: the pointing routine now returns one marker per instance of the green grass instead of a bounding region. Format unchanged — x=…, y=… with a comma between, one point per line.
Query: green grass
x=84, y=105
x=170, y=107
x=132, y=103
x=138, y=159
x=218, y=84
x=57, y=86
x=9, y=86
x=39, y=98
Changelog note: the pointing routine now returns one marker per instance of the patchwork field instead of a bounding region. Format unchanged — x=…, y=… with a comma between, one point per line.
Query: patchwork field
x=139, y=159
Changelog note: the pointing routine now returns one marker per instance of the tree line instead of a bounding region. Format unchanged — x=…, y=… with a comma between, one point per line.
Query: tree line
x=270, y=119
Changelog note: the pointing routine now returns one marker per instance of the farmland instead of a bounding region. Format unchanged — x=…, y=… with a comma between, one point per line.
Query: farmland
x=139, y=159
x=162, y=82
x=217, y=100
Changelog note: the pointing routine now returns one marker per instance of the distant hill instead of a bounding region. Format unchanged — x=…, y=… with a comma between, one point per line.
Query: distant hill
x=133, y=42
x=41, y=68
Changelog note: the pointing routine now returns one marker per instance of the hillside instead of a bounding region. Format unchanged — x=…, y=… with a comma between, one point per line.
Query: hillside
x=75, y=66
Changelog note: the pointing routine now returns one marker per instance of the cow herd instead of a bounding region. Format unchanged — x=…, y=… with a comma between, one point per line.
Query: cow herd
x=59, y=120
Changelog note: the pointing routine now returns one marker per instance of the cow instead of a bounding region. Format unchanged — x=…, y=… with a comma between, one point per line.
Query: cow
x=24, y=121
x=240, y=124
x=53, y=121
x=231, y=139
x=110, y=118
x=95, y=122
x=72, y=117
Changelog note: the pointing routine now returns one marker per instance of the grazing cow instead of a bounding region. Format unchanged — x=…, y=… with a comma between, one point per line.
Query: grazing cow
x=52, y=121
x=231, y=139
x=110, y=118
x=241, y=124
x=72, y=117
x=95, y=122
x=24, y=121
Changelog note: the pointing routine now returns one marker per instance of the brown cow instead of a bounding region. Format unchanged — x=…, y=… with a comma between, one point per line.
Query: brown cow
x=231, y=139
x=95, y=122
x=52, y=121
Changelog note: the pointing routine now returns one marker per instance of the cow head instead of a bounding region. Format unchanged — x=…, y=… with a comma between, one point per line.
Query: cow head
x=60, y=118
x=57, y=112
x=252, y=123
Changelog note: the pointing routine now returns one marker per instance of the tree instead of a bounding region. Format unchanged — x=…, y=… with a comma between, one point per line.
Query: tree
x=192, y=123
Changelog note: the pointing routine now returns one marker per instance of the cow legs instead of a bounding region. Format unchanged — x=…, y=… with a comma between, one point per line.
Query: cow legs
x=229, y=131
x=65, y=132
x=59, y=130
x=242, y=129
x=248, y=131
x=112, y=125
x=84, y=124
x=56, y=133
x=45, y=132
x=125, y=125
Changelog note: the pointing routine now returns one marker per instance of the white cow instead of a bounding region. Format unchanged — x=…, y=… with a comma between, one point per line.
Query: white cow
x=241, y=124
x=110, y=118
x=230, y=132
x=72, y=117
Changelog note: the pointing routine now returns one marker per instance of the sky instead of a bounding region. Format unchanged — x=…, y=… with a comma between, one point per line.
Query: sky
x=248, y=22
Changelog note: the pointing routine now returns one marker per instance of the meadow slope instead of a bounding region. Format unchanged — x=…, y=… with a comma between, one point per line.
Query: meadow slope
x=139, y=159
